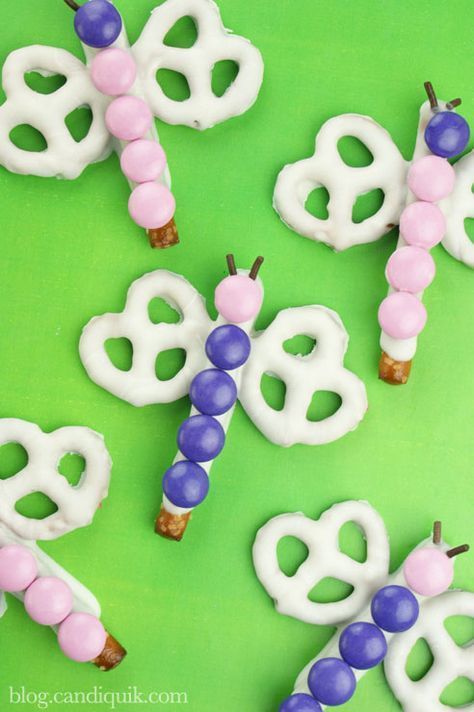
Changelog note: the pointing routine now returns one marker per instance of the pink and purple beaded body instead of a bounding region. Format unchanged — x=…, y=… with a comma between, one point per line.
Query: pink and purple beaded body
x=213, y=393
x=129, y=120
x=411, y=269
x=428, y=571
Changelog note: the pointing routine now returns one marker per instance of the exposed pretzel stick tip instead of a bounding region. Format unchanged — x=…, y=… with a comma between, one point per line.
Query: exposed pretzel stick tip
x=111, y=656
x=166, y=236
x=171, y=526
x=394, y=372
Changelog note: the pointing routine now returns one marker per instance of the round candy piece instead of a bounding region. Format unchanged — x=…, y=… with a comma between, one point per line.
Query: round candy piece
x=201, y=438
x=82, y=637
x=331, y=681
x=402, y=315
x=48, y=600
x=410, y=269
x=113, y=71
x=362, y=645
x=300, y=703
x=422, y=224
x=213, y=392
x=98, y=23
x=128, y=118
x=151, y=205
x=431, y=178
x=428, y=571
x=228, y=347
x=238, y=298
x=394, y=609
x=18, y=568
x=186, y=484
x=143, y=161
x=447, y=134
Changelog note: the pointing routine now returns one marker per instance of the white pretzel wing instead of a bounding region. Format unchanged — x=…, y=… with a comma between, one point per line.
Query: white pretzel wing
x=140, y=385
x=76, y=504
x=325, y=559
x=457, y=207
x=63, y=157
x=343, y=183
x=214, y=43
x=450, y=660
x=322, y=370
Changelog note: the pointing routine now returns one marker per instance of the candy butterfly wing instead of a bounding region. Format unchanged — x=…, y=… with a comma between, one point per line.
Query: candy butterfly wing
x=344, y=184
x=63, y=156
x=451, y=661
x=325, y=559
x=140, y=385
x=457, y=208
x=303, y=376
x=214, y=43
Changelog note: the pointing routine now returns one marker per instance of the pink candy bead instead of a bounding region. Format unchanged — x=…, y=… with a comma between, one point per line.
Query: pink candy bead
x=128, y=118
x=410, y=269
x=18, y=568
x=431, y=178
x=422, y=224
x=48, y=600
x=151, y=205
x=143, y=161
x=428, y=571
x=82, y=637
x=402, y=315
x=113, y=71
x=238, y=298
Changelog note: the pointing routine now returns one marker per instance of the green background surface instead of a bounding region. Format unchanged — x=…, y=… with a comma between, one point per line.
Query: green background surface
x=193, y=616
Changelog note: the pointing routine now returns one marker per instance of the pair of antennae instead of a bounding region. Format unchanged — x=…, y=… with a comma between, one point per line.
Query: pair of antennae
x=437, y=540
x=253, y=272
x=434, y=101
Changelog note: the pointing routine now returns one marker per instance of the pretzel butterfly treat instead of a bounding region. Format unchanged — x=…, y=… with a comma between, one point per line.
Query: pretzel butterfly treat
x=118, y=84
x=51, y=596
x=427, y=197
x=414, y=601
x=225, y=360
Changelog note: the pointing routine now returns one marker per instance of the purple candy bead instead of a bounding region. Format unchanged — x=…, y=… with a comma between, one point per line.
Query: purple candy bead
x=300, y=703
x=447, y=134
x=201, y=438
x=213, y=392
x=185, y=484
x=331, y=681
x=394, y=609
x=228, y=347
x=98, y=23
x=362, y=645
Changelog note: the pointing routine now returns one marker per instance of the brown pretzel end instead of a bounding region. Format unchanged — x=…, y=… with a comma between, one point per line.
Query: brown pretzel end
x=394, y=372
x=166, y=236
x=171, y=526
x=111, y=656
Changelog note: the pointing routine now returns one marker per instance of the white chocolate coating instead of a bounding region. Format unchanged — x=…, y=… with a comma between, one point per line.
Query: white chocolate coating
x=456, y=208
x=325, y=559
x=66, y=158
x=325, y=168
x=203, y=109
x=76, y=504
x=321, y=370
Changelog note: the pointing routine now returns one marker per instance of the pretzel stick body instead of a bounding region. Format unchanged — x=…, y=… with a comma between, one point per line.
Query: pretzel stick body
x=84, y=601
x=397, y=354
x=160, y=237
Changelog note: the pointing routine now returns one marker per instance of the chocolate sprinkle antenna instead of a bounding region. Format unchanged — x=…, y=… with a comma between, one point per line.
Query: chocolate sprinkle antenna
x=72, y=4
x=453, y=103
x=231, y=264
x=437, y=532
x=255, y=268
x=457, y=550
x=431, y=96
